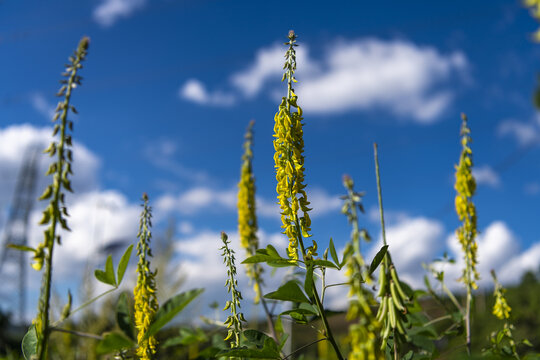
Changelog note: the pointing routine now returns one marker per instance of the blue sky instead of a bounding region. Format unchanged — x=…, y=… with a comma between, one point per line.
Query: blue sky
x=170, y=86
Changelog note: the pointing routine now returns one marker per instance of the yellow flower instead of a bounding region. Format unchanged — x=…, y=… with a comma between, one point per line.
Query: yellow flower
x=289, y=160
x=247, y=218
x=465, y=187
x=501, y=309
x=146, y=303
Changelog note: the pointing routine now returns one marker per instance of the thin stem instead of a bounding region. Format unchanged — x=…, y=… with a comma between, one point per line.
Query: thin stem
x=434, y=321
x=379, y=192
x=78, y=333
x=305, y=346
x=468, y=319
x=85, y=304
x=269, y=319
x=315, y=295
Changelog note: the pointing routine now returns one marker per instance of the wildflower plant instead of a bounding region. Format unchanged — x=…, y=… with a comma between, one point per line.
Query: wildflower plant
x=466, y=234
x=362, y=334
x=146, y=303
x=247, y=218
x=234, y=321
x=393, y=305
x=289, y=160
x=55, y=214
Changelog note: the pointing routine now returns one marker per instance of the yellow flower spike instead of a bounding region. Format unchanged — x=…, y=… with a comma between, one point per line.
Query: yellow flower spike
x=501, y=309
x=289, y=161
x=466, y=234
x=247, y=218
x=146, y=303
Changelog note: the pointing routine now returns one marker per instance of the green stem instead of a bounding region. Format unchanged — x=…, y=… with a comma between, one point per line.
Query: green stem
x=315, y=296
x=57, y=186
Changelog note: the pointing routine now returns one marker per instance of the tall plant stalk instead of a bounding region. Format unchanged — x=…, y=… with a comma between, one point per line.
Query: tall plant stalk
x=292, y=197
x=465, y=187
x=55, y=213
x=247, y=224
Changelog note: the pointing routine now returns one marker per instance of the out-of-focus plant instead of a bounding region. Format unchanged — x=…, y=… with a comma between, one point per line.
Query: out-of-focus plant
x=465, y=187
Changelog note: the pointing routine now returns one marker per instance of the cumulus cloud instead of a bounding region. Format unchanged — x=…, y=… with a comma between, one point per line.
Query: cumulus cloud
x=195, y=91
x=202, y=264
x=412, y=241
x=110, y=11
x=498, y=249
x=204, y=198
x=525, y=133
x=17, y=141
x=485, y=175
x=399, y=76
x=42, y=106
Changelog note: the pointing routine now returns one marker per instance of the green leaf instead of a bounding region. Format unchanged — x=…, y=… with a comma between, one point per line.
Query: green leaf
x=123, y=316
x=106, y=276
x=255, y=337
x=290, y=291
x=325, y=263
x=281, y=262
x=257, y=259
x=122, y=265
x=377, y=259
x=271, y=251
x=109, y=270
x=112, y=342
x=333, y=252
x=21, y=247
x=29, y=343
x=170, y=308
x=308, y=283
x=299, y=315
x=269, y=351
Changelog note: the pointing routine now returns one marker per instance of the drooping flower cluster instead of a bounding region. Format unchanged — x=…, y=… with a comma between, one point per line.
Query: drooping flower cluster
x=465, y=187
x=146, y=303
x=289, y=159
x=501, y=309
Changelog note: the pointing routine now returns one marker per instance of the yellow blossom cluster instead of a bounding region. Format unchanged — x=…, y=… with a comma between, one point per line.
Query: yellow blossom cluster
x=289, y=160
x=247, y=218
x=501, y=309
x=465, y=187
x=146, y=303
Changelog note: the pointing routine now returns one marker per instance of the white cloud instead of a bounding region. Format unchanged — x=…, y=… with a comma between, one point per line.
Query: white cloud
x=195, y=91
x=412, y=241
x=15, y=143
x=396, y=75
x=197, y=199
x=401, y=77
x=525, y=133
x=487, y=176
x=268, y=65
x=109, y=11
x=204, y=198
x=42, y=106
x=498, y=249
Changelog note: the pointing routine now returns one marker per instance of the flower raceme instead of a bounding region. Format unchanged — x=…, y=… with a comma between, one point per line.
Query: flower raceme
x=146, y=303
x=465, y=187
x=289, y=160
x=501, y=309
x=247, y=218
